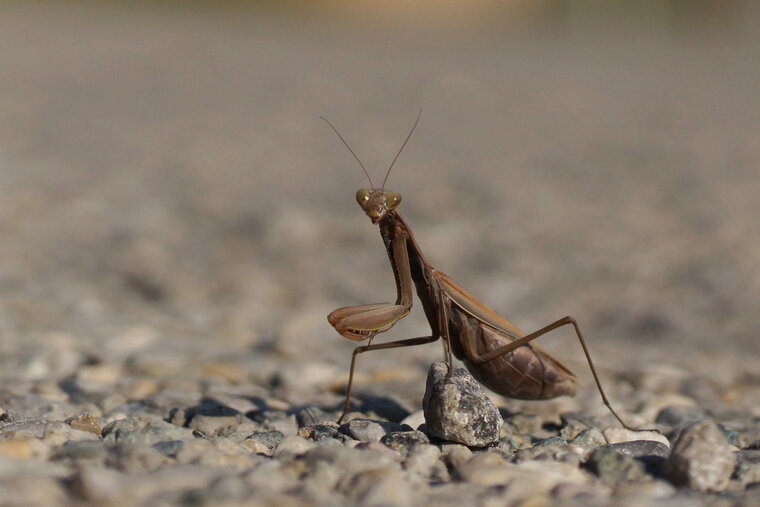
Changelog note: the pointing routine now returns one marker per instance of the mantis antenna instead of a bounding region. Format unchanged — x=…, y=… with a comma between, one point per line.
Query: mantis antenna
x=352, y=151
x=401, y=149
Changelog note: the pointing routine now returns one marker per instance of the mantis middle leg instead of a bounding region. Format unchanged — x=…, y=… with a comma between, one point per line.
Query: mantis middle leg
x=409, y=342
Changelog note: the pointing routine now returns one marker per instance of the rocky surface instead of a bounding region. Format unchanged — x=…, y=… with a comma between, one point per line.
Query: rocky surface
x=176, y=222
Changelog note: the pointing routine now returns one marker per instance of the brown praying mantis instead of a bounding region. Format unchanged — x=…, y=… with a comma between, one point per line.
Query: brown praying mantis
x=498, y=354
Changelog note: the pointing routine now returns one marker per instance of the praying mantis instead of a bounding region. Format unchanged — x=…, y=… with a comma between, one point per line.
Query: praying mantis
x=498, y=354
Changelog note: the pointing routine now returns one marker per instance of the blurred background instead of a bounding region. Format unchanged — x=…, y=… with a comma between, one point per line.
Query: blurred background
x=170, y=200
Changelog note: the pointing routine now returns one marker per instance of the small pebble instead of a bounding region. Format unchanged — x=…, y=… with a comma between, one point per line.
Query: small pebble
x=57, y=434
x=349, y=460
x=561, y=453
x=293, y=445
x=404, y=441
x=424, y=464
x=617, y=435
x=24, y=446
x=550, y=442
x=590, y=438
x=278, y=420
x=641, y=448
x=524, y=424
x=81, y=451
x=701, y=458
x=100, y=485
x=484, y=469
x=370, y=431
x=144, y=430
x=613, y=467
x=457, y=409
x=380, y=488
x=455, y=455
x=215, y=425
x=169, y=448
x=257, y=447
x=311, y=415
x=748, y=467
x=572, y=425
x=86, y=422
x=326, y=431
x=414, y=420
x=135, y=459
x=269, y=438
x=679, y=415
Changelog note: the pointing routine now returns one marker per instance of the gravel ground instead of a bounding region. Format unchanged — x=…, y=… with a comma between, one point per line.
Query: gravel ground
x=176, y=222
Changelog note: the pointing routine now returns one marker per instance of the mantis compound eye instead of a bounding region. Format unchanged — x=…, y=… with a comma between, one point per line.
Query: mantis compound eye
x=392, y=199
x=362, y=196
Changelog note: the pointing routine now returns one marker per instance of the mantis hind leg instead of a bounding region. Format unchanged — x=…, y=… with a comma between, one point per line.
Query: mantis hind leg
x=410, y=342
x=477, y=358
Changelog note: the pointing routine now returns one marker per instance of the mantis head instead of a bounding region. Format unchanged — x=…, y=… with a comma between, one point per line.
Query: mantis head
x=377, y=203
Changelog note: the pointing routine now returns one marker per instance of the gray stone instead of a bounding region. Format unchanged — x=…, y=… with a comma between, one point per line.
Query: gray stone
x=32, y=490
x=135, y=459
x=311, y=415
x=85, y=450
x=649, y=453
x=614, y=468
x=561, y=452
x=679, y=415
x=524, y=424
x=731, y=434
x=350, y=460
x=58, y=433
x=484, y=469
x=319, y=432
x=457, y=409
x=182, y=480
x=701, y=458
x=278, y=420
x=215, y=425
x=572, y=425
x=414, y=420
x=217, y=452
x=169, y=448
x=293, y=445
x=378, y=488
x=455, y=455
x=100, y=485
x=590, y=438
x=641, y=448
x=550, y=442
x=506, y=446
x=404, y=441
x=366, y=430
x=268, y=438
x=424, y=464
x=144, y=430
x=748, y=467
x=618, y=435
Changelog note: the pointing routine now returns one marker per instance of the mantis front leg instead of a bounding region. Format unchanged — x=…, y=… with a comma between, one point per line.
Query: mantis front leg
x=363, y=322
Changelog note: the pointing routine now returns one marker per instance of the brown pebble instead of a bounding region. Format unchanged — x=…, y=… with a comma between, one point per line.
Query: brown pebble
x=86, y=422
